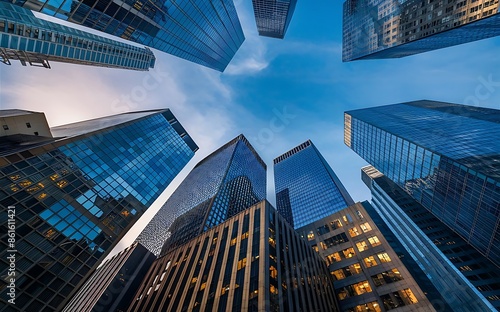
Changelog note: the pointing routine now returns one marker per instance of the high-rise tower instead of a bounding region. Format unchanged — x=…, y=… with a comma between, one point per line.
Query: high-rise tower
x=273, y=16
x=396, y=28
x=307, y=189
x=226, y=182
x=444, y=155
x=74, y=191
x=204, y=32
x=32, y=40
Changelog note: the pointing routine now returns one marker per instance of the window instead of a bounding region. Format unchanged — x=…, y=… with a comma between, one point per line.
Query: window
x=334, y=257
x=5, y=127
x=384, y=257
x=354, y=232
x=310, y=236
x=366, y=307
x=365, y=227
x=387, y=277
x=36, y=132
x=338, y=274
x=374, y=241
x=335, y=240
x=362, y=246
x=28, y=125
x=336, y=224
x=348, y=253
x=359, y=214
x=354, y=290
x=370, y=261
x=346, y=271
x=323, y=229
x=408, y=296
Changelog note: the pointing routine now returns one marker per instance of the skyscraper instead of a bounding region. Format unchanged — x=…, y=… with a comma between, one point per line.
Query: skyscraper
x=444, y=155
x=224, y=183
x=75, y=192
x=394, y=28
x=464, y=277
x=206, y=33
x=368, y=274
x=273, y=16
x=32, y=40
x=307, y=189
x=254, y=261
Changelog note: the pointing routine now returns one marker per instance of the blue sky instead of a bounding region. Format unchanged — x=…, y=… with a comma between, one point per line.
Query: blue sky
x=301, y=76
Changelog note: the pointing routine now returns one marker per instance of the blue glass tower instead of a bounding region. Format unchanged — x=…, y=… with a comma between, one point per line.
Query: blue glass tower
x=379, y=29
x=444, y=155
x=76, y=193
x=307, y=189
x=273, y=16
x=226, y=182
x=204, y=32
x=32, y=40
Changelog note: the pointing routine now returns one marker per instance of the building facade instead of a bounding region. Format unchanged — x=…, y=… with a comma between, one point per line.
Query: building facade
x=273, y=16
x=390, y=28
x=113, y=285
x=444, y=155
x=38, y=42
x=221, y=185
x=254, y=261
x=368, y=275
x=206, y=33
x=307, y=189
x=75, y=195
x=464, y=277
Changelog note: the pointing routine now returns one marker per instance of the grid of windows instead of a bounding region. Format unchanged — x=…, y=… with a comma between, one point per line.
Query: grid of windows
x=76, y=200
x=391, y=28
x=273, y=16
x=224, y=183
x=444, y=155
x=314, y=191
x=20, y=30
x=207, y=33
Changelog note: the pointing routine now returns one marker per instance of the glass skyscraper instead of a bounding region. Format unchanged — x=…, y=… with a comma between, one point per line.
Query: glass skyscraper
x=32, y=40
x=376, y=29
x=75, y=193
x=273, y=16
x=221, y=185
x=465, y=279
x=307, y=189
x=204, y=32
x=444, y=155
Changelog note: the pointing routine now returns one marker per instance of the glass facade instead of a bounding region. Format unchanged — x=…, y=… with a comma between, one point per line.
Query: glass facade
x=444, y=155
x=206, y=33
x=273, y=16
x=253, y=261
x=459, y=275
x=27, y=38
x=76, y=197
x=226, y=182
x=397, y=28
x=307, y=189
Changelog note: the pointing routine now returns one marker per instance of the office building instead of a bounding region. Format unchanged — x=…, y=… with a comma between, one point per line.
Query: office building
x=381, y=29
x=368, y=275
x=253, y=261
x=307, y=189
x=38, y=42
x=464, y=277
x=273, y=16
x=113, y=285
x=206, y=33
x=444, y=155
x=229, y=180
x=77, y=192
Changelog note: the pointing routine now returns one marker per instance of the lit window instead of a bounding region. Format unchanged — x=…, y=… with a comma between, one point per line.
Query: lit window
x=384, y=257
x=354, y=232
x=362, y=246
x=365, y=227
x=310, y=236
x=335, y=224
x=370, y=261
x=273, y=272
x=408, y=296
x=334, y=257
x=374, y=241
x=15, y=177
x=125, y=213
x=348, y=253
x=25, y=183
x=338, y=274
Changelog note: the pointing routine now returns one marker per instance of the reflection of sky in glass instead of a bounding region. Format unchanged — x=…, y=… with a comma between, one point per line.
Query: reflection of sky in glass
x=69, y=221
